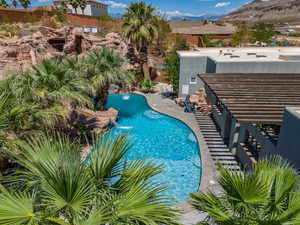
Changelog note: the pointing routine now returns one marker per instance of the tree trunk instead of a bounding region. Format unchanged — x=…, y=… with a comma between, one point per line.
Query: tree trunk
x=100, y=99
x=143, y=55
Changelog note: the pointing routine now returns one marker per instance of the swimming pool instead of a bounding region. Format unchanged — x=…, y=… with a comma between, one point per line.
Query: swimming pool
x=161, y=139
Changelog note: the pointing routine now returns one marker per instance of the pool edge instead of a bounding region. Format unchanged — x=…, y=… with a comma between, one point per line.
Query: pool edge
x=208, y=168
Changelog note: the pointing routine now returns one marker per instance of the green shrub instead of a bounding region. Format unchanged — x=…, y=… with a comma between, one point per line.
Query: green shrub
x=147, y=86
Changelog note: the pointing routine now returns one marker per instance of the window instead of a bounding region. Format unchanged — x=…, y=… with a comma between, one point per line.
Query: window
x=193, y=80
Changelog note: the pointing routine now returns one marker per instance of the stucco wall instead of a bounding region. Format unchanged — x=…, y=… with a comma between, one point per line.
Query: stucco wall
x=289, y=139
x=191, y=66
x=258, y=67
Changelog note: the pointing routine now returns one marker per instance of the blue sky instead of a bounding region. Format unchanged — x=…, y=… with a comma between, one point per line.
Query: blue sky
x=173, y=7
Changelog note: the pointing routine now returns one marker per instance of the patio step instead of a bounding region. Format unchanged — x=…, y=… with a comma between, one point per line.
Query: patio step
x=218, y=150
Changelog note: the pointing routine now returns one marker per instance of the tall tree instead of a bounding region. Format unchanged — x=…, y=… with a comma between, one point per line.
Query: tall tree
x=25, y=3
x=82, y=5
x=269, y=194
x=263, y=32
x=56, y=187
x=162, y=41
x=140, y=26
x=243, y=34
x=173, y=62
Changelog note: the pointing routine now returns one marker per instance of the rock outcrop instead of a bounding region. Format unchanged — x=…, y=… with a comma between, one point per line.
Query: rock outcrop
x=266, y=10
x=95, y=121
x=47, y=42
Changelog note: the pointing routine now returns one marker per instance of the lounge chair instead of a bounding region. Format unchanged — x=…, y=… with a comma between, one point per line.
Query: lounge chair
x=188, y=107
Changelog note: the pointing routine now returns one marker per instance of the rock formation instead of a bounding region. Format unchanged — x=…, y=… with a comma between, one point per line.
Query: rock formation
x=48, y=42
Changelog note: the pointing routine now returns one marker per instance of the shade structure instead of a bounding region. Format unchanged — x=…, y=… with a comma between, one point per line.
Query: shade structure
x=255, y=98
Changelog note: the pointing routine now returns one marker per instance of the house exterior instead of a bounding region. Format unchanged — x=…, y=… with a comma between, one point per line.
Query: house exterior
x=234, y=60
x=194, y=31
x=93, y=8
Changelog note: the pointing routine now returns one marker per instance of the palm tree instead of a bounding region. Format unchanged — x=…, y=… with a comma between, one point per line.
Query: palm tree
x=74, y=4
x=46, y=93
x=269, y=194
x=82, y=5
x=63, y=7
x=57, y=187
x=3, y=4
x=14, y=3
x=55, y=81
x=25, y=3
x=104, y=67
x=141, y=26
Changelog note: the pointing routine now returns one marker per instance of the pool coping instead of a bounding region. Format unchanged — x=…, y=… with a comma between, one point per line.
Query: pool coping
x=209, y=171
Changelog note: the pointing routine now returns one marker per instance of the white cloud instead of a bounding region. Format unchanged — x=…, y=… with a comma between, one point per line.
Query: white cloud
x=176, y=13
x=114, y=4
x=222, y=4
x=43, y=1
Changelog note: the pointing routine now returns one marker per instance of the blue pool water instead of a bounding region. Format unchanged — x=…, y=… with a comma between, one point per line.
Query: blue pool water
x=161, y=139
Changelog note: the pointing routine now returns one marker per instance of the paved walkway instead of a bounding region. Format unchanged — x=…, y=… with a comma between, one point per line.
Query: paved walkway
x=209, y=171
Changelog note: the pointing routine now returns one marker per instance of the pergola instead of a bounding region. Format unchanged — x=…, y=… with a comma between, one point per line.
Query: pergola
x=244, y=107
x=255, y=98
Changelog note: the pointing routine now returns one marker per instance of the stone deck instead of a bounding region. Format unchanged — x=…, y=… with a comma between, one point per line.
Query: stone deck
x=209, y=170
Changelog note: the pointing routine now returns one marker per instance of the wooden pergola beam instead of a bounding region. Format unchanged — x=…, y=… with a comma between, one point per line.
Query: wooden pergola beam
x=255, y=98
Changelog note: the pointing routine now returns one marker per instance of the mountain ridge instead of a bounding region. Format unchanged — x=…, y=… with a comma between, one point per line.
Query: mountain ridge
x=266, y=10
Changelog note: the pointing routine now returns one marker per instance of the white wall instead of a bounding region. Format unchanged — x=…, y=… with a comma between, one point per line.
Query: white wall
x=92, y=9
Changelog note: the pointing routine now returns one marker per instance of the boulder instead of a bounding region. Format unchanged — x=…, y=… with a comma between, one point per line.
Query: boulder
x=97, y=121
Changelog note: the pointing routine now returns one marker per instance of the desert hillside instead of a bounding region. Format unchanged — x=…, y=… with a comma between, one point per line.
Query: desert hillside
x=267, y=10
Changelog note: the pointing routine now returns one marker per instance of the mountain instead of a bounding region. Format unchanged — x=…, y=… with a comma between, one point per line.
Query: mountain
x=267, y=10
x=116, y=15
x=203, y=17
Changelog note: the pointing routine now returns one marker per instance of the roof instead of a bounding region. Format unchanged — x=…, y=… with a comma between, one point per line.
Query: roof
x=87, y=1
x=255, y=98
x=44, y=7
x=249, y=54
x=198, y=27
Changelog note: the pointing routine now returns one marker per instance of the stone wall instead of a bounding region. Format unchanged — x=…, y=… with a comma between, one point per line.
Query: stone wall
x=34, y=15
x=21, y=15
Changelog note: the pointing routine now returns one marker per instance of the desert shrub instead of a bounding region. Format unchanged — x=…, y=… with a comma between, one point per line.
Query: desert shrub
x=147, y=86
x=10, y=30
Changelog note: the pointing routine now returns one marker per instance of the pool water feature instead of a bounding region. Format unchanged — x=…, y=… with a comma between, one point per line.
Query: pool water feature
x=161, y=139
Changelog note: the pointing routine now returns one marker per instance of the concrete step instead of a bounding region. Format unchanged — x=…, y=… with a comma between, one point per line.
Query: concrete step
x=217, y=146
x=214, y=139
x=224, y=158
x=218, y=150
x=221, y=154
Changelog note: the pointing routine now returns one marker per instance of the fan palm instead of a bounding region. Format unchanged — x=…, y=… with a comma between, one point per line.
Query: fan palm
x=25, y=3
x=45, y=92
x=104, y=67
x=268, y=195
x=56, y=187
x=141, y=26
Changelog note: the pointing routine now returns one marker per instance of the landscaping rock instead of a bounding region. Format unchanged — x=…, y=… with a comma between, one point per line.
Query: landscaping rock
x=97, y=121
x=47, y=42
